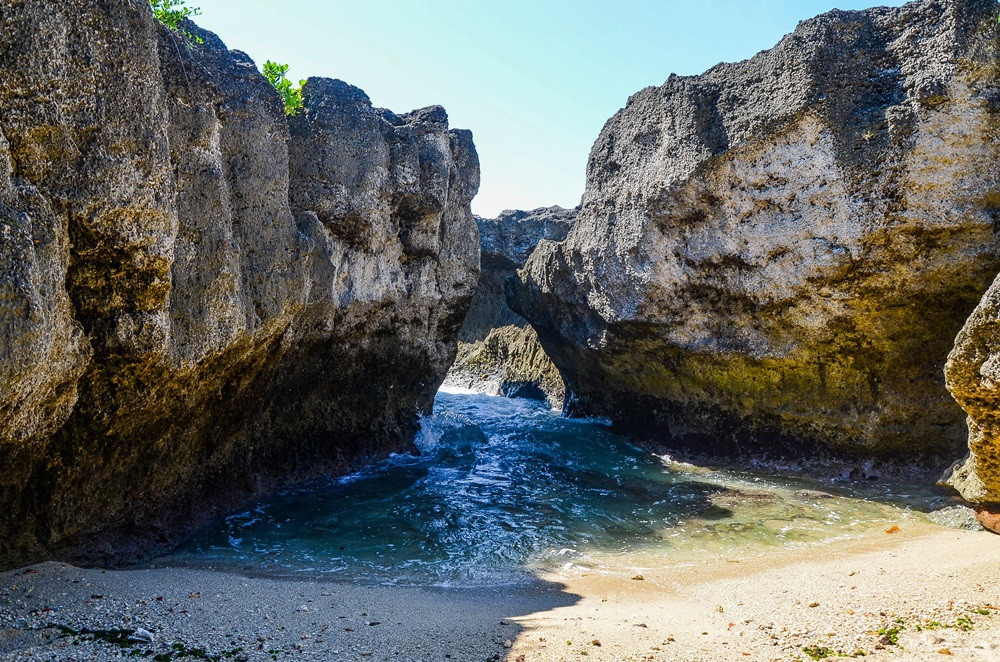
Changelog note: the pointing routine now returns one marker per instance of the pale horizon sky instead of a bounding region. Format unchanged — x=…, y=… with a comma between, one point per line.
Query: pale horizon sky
x=535, y=80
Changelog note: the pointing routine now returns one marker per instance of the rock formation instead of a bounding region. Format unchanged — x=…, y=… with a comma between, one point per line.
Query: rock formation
x=498, y=351
x=200, y=299
x=779, y=252
x=973, y=374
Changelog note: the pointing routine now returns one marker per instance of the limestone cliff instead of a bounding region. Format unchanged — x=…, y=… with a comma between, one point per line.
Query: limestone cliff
x=779, y=252
x=200, y=299
x=498, y=351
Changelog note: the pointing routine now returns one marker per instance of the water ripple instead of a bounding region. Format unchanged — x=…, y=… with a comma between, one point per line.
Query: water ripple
x=504, y=487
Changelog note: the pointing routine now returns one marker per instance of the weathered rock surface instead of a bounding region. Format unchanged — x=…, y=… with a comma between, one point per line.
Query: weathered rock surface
x=780, y=251
x=201, y=300
x=498, y=351
x=973, y=375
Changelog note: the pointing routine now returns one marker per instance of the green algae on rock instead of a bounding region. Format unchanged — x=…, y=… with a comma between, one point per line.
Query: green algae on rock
x=779, y=252
x=205, y=303
x=510, y=361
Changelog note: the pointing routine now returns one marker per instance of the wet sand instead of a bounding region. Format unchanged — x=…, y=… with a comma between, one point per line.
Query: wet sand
x=932, y=591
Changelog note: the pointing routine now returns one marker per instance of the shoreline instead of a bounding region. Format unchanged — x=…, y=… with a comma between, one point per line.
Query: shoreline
x=767, y=605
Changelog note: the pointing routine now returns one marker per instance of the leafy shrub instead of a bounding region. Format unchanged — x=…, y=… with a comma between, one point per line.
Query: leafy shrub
x=277, y=75
x=172, y=12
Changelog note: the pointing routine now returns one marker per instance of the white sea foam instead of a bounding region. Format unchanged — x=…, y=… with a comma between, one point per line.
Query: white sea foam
x=457, y=390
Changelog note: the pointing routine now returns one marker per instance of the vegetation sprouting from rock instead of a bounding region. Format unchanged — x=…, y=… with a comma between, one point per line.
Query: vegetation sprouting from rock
x=172, y=12
x=277, y=75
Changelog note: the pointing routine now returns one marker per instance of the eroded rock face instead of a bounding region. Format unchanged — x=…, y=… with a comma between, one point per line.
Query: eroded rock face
x=779, y=251
x=498, y=351
x=200, y=303
x=973, y=374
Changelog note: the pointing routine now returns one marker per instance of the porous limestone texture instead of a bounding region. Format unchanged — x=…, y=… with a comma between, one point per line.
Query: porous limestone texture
x=498, y=352
x=201, y=300
x=778, y=253
x=973, y=375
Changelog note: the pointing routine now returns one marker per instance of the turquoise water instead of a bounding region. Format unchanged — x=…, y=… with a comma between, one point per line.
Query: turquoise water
x=503, y=489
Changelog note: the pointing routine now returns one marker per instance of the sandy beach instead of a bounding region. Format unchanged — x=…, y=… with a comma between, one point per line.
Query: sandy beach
x=923, y=592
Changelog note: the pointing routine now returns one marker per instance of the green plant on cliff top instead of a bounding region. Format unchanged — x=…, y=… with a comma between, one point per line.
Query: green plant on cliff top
x=172, y=12
x=276, y=74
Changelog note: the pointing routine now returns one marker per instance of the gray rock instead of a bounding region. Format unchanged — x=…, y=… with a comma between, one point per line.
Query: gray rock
x=498, y=351
x=515, y=233
x=201, y=302
x=780, y=251
x=506, y=242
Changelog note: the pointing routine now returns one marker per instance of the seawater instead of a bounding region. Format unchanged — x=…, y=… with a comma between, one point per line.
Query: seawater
x=504, y=489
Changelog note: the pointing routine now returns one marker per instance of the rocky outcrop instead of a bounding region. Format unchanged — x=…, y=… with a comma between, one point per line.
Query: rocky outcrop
x=973, y=374
x=200, y=299
x=779, y=252
x=498, y=352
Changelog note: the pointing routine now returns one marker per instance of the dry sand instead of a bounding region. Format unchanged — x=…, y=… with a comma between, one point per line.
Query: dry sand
x=936, y=587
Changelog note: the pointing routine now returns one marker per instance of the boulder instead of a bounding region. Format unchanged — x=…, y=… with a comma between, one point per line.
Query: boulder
x=778, y=253
x=973, y=375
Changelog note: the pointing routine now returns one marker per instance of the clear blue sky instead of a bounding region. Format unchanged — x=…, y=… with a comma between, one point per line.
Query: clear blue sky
x=534, y=80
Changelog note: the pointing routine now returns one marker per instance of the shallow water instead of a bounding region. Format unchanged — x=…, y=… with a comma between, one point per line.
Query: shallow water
x=503, y=489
